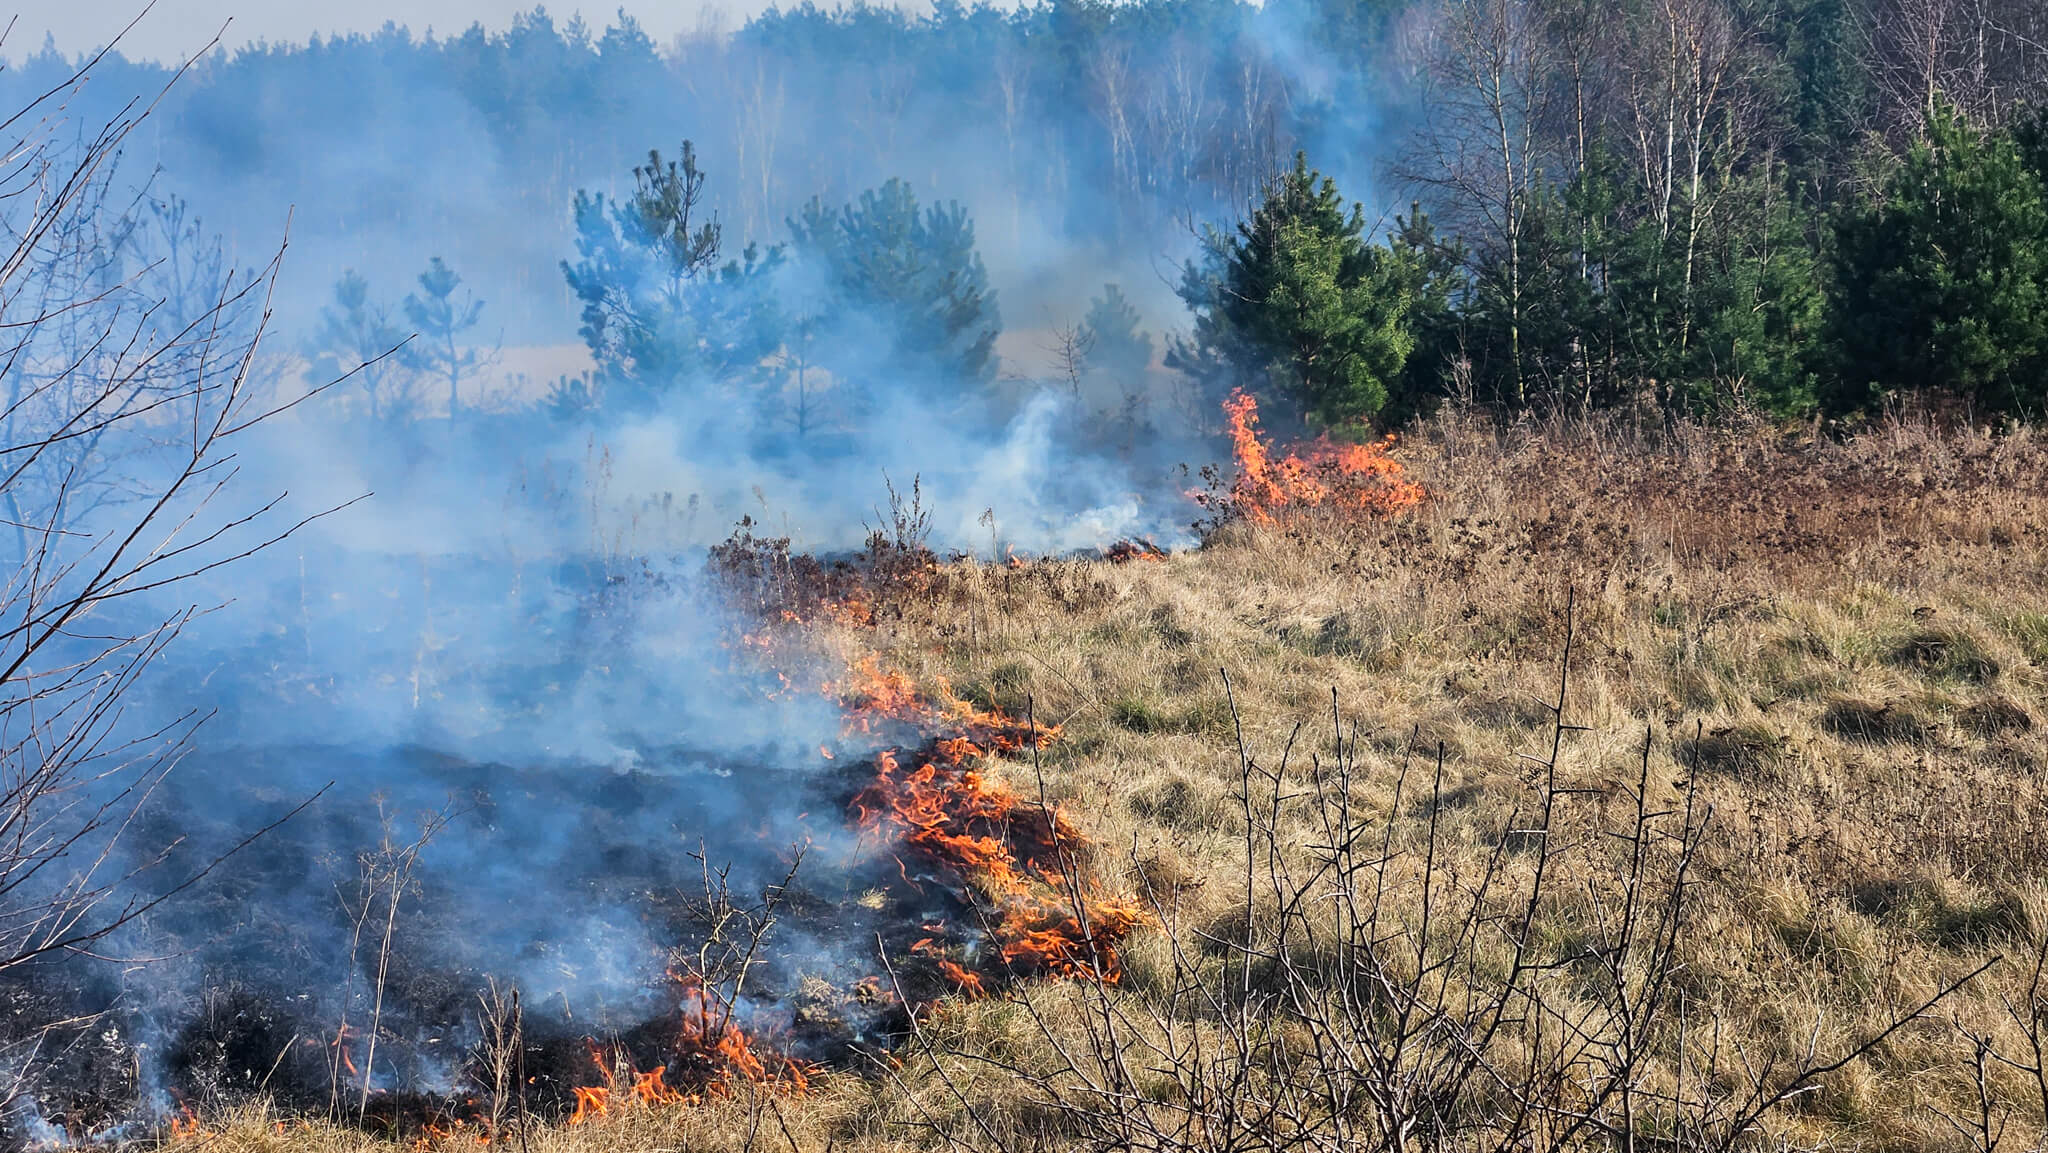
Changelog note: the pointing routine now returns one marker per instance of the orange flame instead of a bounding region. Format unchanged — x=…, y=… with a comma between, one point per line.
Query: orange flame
x=343, y=1037
x=713, y=1053
x=711, y=1038
x=591, y=1102
x=1126, y=551
x=437, y=1132
x=853, y=611
x=1056, y=941
x=873, y=695
x=968, y=980
x=969, y=831
x=1320, y=474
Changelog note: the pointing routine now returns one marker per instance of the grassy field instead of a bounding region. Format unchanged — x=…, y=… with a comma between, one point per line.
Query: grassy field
x=1800, y=789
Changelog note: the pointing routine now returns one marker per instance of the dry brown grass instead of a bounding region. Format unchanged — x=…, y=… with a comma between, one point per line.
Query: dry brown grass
x=1844, y=645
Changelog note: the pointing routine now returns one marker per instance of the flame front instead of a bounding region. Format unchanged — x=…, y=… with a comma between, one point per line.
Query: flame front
x=935, y=818
x=1319, y=474
x=959, y=826
x=712, y=1052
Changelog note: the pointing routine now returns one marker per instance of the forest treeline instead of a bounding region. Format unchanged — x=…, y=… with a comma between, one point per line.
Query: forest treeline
x=1784, y=206
x=1699, y=204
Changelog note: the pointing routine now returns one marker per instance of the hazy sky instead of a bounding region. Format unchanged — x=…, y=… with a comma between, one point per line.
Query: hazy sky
x=175, y=28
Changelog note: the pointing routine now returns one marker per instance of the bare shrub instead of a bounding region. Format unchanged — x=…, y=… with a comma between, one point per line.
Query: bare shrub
x=128, y=355
x=126, y=393
x=1396, y=978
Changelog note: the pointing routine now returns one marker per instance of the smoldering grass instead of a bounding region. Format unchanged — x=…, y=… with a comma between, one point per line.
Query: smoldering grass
x=1828, y=766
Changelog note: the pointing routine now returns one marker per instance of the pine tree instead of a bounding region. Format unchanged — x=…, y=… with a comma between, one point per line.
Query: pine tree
x=913, y=289
x=438, y=319
x=1434, y=268
x=1944, y=284
x=1299, y=305
x=659, y=311
x=355, y=338
x=1111, y=335
x=2030, y=134
x=1762, y=306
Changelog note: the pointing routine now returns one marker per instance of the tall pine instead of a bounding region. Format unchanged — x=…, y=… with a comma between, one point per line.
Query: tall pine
x=1298, y=305
x=1944, y=282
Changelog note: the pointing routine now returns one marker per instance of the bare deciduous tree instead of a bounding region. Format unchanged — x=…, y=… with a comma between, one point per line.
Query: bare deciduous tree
x=1684, y=89
x=1984, y=56
x=1491, y=86
x=127, y=393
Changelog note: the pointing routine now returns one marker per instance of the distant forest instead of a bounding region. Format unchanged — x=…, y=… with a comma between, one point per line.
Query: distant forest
x=1784, y=207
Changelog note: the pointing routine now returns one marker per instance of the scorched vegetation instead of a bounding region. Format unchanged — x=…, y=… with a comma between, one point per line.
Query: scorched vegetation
x=1539, y=810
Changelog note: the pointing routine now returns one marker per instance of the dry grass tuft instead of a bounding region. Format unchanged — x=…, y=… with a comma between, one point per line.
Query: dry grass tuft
x=1945, y=655
x=1750, y=751
x=1863, y=720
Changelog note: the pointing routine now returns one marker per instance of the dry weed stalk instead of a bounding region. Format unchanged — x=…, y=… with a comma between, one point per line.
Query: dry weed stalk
x=497, y=1058
x=1377, y=990
x=1993, y=1113
x=386, y=876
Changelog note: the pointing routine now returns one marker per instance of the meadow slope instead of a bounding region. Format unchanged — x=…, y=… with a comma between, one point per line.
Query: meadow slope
x=1834, y=652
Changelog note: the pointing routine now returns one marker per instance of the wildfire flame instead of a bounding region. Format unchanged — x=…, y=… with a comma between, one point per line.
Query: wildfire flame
x=591, y=1101
x=344, y=1038
x=1126, y=551
x=970, y=832
x=728, y=1054
x=967, y=979
x=873, y=696
x=934, y=811
x=1319, y=474
x=437, y=1132
x=712, y=1051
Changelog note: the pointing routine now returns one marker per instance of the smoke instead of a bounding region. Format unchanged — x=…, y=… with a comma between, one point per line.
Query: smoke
x=509, y=655
x=497, y=666
x=1083, y=153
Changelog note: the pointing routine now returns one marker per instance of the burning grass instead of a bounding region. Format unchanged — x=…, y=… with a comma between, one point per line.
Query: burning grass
x=1830, y=646
x=1016, y=870
x=1268, y=484
x=1017, y=863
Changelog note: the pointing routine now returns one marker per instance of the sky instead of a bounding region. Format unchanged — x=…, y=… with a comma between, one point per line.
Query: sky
x=174, y=29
